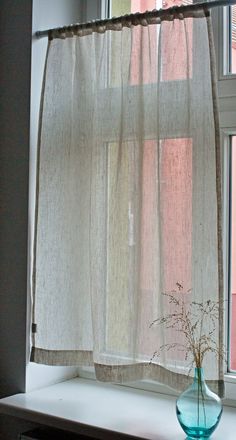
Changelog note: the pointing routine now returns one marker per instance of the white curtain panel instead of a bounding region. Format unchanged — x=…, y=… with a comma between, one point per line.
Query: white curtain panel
x=128, y=197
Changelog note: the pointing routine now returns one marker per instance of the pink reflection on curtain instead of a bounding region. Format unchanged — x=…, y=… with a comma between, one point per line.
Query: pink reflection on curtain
x=144, y=71
x=149, y=206
x=234, y=58
x=148, y=243
x=176, y=47
x=176, y=224
x=176, y=212
x=175, y=205
x=176, y=167
x=177, y=63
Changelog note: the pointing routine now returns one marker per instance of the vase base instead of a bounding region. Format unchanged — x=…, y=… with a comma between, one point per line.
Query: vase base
x=197, y=438
x=197, y=433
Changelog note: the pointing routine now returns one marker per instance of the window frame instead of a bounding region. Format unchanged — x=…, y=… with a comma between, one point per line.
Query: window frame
x=227, y=134
x=227, y=113
x=230, y=247
x=224, y=15
x=227, y=100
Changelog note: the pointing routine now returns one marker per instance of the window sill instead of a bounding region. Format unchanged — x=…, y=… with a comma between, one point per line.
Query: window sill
x=99, y=410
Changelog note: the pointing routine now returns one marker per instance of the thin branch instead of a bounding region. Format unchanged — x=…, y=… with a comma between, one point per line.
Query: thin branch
x=196, y=321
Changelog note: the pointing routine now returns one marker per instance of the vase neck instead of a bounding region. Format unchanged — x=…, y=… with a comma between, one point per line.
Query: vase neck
x=199, y=375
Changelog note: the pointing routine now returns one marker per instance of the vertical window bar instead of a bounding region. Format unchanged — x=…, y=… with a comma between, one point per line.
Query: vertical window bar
x=232, y=258
x=229, y=348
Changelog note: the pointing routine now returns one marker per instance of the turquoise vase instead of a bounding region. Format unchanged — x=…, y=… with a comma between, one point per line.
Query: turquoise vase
x=198, y=408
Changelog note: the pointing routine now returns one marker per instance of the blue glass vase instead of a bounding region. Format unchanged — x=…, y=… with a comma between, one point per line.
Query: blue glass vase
x=198, y=408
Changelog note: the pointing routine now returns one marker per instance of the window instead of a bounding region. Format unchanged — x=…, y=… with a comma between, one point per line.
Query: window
x=224, y=27
x=227, y=120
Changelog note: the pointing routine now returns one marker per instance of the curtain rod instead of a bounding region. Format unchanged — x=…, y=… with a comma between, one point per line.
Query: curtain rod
x=139, y=15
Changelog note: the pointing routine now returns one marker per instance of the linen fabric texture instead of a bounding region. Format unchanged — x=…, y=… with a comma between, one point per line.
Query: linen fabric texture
x=128, y=201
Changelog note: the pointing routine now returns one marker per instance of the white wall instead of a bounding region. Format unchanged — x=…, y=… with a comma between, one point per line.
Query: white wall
x=94, y=9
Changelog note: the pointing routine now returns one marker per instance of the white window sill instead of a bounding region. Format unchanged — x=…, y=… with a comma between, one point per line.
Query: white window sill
x=107, y=411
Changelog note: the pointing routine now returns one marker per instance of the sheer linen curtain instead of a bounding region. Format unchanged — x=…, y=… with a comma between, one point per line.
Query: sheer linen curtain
x=128, y=196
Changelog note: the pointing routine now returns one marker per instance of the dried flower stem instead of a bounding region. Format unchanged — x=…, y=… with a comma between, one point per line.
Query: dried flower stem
x=197, y=322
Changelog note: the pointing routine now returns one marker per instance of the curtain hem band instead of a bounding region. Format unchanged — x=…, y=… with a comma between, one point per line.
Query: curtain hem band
x=119, y=373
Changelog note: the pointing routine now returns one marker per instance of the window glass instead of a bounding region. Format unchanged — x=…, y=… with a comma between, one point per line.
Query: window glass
x=233, y=259
x=120, y=7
